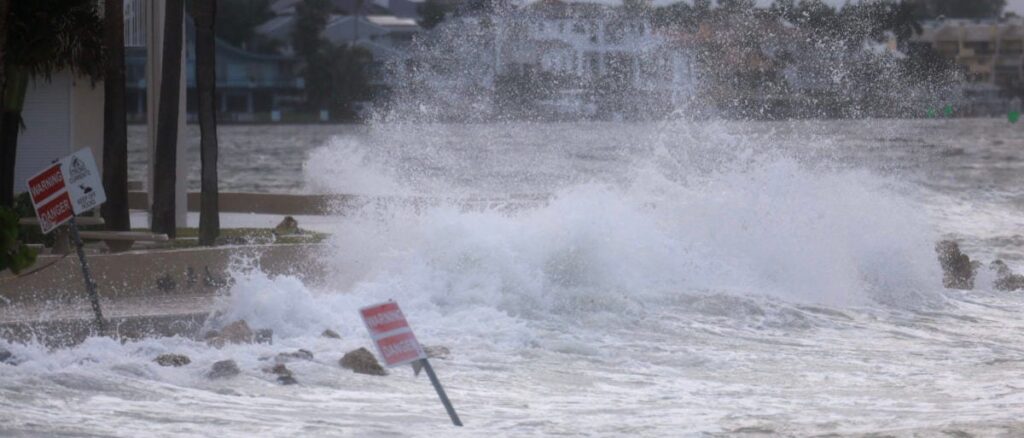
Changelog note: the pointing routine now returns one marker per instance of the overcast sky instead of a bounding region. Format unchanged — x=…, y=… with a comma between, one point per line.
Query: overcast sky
x=1016, y=6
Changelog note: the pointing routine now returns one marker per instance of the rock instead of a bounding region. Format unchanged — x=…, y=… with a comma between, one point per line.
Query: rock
x=237, y=332
x=191, y=278
x=287, y=226
x=1006, y=280
x=279, y=369
x=216, y=342
x=330, y=334
x=299, y=354
x=166, y=283
x=214, y=339
x=211, y=280
x=362, y=361
x=172, y=360
x=1000, y=268
x=437, y=351
x=223, y=369
x=1010, y=283
x=284, y=375
x=211, y=334
x=6, y=357
x=264, y=336
x=958, y=269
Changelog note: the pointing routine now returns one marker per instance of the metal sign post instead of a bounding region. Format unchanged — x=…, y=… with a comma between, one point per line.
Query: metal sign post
x=69, y=187
x=90, y=285
x=397, y=344
x=440, y=392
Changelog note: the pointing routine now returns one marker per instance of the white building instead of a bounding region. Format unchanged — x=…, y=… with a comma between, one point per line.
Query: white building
x=61, y=116
x=65, y=113
x=385, y=36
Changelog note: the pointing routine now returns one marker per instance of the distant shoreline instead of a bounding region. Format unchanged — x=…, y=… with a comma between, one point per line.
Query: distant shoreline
x=584, y=120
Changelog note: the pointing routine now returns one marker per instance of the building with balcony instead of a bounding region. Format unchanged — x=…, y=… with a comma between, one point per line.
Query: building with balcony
x=989, y=51
x=250, y=86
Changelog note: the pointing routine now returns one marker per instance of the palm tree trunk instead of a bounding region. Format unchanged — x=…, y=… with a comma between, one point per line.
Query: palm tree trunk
x=115, y=129
x=204, y=12
x=165, y=160
x=9, y=127
x=7, y=157
x=15, y=87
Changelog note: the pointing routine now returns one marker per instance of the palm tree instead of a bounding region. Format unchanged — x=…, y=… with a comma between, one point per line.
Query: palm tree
x=43, y=38
x=204, y=12
x=6, y=156
x=5, y=7
x=115, y=128
x=165, y=159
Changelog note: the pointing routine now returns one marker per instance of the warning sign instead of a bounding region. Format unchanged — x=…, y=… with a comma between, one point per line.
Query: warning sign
x=55, y=212
x=85, y=186
x=46, y=183
x=66, y=188
x=391, y=334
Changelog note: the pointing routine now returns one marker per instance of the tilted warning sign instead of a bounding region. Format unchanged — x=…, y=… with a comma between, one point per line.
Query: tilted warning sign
x=83, y=181
x=391, y=334
x=66, y=188
x=398, y=345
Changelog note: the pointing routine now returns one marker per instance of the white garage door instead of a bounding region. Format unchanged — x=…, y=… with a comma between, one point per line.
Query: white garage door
x=47, y=134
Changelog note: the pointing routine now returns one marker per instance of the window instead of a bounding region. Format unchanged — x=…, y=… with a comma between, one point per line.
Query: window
x=614, y=31
x=1011, y=47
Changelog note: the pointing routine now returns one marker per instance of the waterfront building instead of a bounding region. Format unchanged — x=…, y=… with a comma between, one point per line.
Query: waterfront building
x=251, y=86
x=990, y=54
x=386, y=37
x=562, y=60
x=387, y=33
x=990, y=51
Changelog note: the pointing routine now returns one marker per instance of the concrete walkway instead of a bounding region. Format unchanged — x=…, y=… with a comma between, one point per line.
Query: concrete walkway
x=143, y=293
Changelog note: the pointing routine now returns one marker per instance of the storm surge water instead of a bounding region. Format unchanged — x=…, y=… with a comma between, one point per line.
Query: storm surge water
x=600, y=278
x=642, y=278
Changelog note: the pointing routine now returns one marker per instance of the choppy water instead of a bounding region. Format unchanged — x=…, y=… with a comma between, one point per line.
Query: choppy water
x=682, y=279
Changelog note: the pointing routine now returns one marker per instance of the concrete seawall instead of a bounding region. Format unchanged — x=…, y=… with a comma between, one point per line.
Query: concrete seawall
x=299, y=204
x=143, y=293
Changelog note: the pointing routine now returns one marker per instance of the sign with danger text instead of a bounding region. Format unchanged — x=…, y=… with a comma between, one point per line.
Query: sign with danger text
x=391, y=334
x=66, y=188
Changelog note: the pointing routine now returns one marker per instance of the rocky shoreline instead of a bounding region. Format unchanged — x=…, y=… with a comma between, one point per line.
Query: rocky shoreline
x=960, y=272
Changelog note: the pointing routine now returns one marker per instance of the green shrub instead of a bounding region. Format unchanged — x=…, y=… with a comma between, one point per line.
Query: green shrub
x=14, y=254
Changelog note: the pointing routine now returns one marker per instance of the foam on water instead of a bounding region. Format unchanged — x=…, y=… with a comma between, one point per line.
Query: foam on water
x=712, y=287
x=772, y=228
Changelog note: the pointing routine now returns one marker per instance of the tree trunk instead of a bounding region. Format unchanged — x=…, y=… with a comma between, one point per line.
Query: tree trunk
x=115, y=129
x=204, y=13
x=165, y=161
x=7, y=157
x=10, y=124
x=15, y=87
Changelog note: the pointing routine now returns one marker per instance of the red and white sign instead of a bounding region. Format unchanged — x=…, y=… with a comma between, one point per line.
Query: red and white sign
x=391, y=334
x=46, y=183
x=68, y=187
x=55, y=212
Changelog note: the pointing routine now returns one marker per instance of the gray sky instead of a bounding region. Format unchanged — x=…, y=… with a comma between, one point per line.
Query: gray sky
x=1016, y=6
